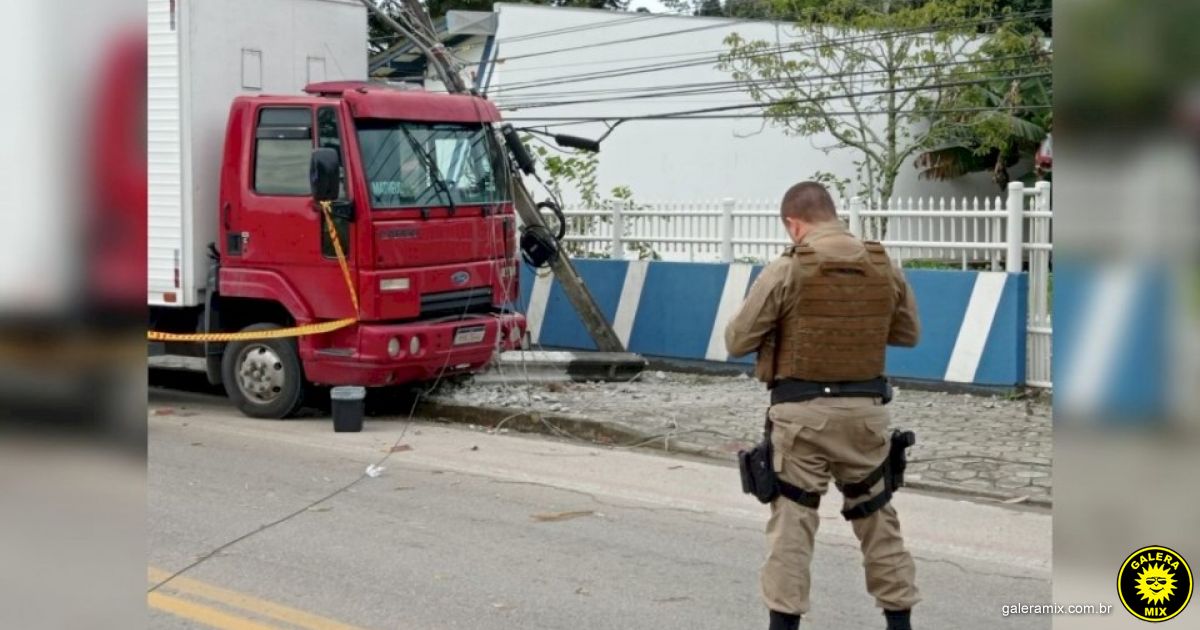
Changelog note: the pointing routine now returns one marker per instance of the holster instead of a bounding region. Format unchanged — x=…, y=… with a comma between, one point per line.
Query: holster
x=758, y=476
x=891, y=471
x=757, y=469
x=898, y=457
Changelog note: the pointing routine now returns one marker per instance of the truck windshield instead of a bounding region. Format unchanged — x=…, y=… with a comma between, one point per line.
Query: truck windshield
x=400, y=176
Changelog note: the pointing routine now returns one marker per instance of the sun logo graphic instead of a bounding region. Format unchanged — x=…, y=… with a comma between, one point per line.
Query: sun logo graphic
x=1155, y=584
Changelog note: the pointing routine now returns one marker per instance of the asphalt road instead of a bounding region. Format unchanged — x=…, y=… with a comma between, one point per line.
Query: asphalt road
x=468, y=530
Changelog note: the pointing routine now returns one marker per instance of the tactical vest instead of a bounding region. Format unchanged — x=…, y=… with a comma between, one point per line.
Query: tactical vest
x=837, y=326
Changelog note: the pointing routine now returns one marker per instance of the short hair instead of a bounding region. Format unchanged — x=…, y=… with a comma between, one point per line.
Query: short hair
x=809, y=202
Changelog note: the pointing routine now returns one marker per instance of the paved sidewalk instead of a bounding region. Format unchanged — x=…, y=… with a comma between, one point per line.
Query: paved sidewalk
x=987, y=446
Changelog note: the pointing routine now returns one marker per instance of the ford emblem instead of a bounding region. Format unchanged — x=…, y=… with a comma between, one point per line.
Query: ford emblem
x=460, y=278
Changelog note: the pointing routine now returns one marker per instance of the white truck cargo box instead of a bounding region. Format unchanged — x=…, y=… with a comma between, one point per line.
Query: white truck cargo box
x=202, y=54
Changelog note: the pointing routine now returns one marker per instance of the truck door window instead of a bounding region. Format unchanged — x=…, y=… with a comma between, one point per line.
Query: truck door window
x=283, y=148
x=329, y=135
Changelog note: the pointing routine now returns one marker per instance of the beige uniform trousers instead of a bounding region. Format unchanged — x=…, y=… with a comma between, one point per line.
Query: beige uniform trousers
x=846, y=438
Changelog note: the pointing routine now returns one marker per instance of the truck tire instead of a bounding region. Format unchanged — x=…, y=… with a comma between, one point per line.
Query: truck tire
x=264, y=378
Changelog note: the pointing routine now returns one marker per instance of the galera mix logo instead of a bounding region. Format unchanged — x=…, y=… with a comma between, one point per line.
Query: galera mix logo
x=1155, y=583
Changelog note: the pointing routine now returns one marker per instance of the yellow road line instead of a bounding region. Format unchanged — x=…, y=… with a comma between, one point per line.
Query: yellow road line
x=202, y=614
x=249, y=603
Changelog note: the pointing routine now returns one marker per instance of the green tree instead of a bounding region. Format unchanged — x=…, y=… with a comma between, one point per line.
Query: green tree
x=873, y=76
x=708, y=8
x=993, y=125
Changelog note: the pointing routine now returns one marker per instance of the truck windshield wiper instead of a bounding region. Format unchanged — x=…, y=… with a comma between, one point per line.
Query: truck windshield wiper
x=434, y=173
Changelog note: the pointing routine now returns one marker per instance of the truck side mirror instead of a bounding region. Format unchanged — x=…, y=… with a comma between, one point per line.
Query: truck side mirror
x=323, y=175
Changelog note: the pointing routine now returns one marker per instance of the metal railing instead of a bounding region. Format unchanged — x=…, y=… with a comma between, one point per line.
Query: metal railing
x=1002, y=233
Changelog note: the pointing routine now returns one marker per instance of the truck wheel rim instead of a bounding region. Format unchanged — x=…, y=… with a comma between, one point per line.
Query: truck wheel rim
x=261, y=376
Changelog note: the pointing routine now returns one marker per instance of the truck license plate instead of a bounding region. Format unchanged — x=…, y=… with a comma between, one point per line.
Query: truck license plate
x=469, y=335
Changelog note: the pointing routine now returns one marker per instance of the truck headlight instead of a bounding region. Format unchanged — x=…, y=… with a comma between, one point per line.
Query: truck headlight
x=394, y=284
x=394, y=347
x=414, y=345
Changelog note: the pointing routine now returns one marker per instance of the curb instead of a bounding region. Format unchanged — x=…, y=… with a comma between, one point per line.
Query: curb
x=616, y=435
x=563, y=366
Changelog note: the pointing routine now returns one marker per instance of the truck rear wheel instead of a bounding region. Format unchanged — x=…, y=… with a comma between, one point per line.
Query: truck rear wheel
x=263, y=377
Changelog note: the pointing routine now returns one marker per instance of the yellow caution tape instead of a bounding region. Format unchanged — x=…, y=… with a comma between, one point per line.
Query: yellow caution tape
x=274, y=333
x=341, y=256
x=279, y=333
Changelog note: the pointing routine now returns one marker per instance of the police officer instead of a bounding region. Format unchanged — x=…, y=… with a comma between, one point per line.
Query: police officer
x=820, y=317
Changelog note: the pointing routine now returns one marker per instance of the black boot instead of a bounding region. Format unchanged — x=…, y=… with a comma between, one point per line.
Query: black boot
x=784, y=621
x=898, y=619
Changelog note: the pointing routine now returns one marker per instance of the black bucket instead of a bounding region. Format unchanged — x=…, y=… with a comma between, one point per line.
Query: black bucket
x=347, y=403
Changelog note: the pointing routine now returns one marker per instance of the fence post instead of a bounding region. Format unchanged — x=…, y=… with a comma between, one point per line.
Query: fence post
x=856, y=206
x=1043, y=195
x=618, y=230
x=727, y=205
x=1014, y=228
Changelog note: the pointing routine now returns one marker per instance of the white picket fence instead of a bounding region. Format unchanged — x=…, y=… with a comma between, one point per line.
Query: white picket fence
x=1010, y=233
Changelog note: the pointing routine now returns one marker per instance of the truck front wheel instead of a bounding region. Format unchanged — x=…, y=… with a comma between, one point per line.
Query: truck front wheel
x=263, y=377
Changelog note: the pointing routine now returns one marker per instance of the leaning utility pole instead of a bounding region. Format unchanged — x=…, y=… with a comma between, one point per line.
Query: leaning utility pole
x=418, y=28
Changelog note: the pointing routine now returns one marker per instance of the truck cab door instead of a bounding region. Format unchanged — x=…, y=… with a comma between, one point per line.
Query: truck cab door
x=280, y=226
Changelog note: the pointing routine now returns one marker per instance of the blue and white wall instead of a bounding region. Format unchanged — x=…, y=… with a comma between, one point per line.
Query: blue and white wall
x=973, y=323
x=1113, y=357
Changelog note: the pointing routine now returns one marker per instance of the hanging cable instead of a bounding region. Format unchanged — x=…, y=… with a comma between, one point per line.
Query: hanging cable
x=769, y=51
x=700, y=85
x=736, y=88
x=564, y=121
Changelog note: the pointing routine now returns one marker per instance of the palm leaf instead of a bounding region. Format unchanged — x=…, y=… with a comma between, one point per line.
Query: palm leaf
x=951, y=162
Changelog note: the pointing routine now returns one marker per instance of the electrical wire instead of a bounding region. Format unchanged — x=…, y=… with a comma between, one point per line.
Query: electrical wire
x=735, y=87
x=625, y=40
x=737, y=82
x=742, y=106
x=768, y=51
x=564, y=121
x=566, y=30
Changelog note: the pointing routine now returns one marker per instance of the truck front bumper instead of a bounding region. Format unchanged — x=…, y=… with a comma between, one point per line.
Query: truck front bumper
x=393, y=354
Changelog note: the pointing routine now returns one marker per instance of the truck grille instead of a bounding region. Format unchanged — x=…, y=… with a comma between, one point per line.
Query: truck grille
x=466, y=301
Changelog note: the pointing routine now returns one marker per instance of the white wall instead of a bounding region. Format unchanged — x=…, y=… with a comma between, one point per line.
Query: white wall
x=669, y=160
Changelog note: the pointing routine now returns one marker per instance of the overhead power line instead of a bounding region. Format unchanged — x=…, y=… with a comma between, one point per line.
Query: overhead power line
x=566, y=30
x=833, y=97
x=639, y=17
x=715, y=87
x=707, y=58
x=565, y=121
x=625, y=40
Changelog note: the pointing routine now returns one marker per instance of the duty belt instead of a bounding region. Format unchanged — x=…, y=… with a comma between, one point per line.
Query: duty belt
x=796, y=390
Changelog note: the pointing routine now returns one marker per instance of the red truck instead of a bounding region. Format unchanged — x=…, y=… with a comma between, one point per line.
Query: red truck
x=237, y=243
